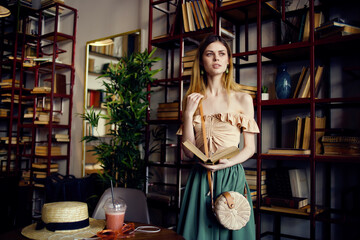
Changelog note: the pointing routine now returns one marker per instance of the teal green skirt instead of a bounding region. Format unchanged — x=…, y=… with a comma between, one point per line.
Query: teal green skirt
x=196, y=220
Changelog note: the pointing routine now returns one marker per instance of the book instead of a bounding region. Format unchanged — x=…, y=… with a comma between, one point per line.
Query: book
x=254, y=177
x=254, y=181
x=290, y=202
x=228, y=2
x=299, y=183
x=190, y=17
x=253, y=171
x=207, y=12
x=199, y=15
x=320, y=123
x=278, y=182
x=60, y=84
x=304, y=83
x=300, y=81
x=318, y=20
x=318, y=76
x=194, y=13
x=306, y=133
x=288, y=151
x=185, y=18
x=298, y=133
x=204, y=14
x=225, y=153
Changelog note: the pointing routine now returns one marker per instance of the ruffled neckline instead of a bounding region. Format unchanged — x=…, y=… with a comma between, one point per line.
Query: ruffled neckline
x=234, y=118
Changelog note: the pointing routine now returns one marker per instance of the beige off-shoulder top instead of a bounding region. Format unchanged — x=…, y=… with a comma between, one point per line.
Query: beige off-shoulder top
x=222, y=130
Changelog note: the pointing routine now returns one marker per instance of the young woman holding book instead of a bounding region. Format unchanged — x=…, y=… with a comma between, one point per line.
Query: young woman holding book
x=228, y=112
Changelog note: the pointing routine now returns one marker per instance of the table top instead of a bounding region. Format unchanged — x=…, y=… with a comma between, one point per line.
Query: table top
x=163, y=234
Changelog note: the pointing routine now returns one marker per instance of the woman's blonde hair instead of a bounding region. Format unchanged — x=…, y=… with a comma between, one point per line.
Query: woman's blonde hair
x=198, y=81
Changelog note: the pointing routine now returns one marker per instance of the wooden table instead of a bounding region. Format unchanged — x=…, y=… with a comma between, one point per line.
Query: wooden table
x=164, y=234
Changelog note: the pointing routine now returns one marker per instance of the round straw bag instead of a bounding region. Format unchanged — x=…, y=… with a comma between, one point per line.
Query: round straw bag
x=232, y=210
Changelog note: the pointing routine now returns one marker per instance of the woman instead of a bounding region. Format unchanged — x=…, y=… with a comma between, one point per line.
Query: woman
x=227, y=113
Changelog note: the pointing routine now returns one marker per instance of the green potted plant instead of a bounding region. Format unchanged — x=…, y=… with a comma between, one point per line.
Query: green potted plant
x=264, y=93
x=126, y=104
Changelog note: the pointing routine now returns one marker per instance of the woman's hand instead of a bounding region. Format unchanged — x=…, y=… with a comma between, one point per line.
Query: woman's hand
x=192, y=103
x=221, y=164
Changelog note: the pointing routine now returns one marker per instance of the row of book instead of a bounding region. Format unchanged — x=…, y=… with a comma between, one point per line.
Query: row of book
x=341, y=145
x=302, y=89
x=280, y=187
x=287, y=188
x=197, y=15
x=322, y=29
x=302, y=137
x=95, y=98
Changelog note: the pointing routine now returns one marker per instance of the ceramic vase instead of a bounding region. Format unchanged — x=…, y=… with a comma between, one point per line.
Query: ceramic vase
x=283, y=83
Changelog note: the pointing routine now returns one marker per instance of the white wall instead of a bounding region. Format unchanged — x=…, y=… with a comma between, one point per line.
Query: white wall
x=98, y=19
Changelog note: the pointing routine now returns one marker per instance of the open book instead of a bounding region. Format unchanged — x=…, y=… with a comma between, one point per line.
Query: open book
x=225, y=153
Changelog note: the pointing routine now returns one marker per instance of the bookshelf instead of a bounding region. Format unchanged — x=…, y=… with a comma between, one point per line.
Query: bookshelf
x=266, y=35
x=39, y=53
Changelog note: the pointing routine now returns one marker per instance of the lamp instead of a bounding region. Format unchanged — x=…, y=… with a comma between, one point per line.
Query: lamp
x=4, y=12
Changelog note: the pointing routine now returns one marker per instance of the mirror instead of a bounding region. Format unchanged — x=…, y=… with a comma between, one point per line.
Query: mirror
x=99, y=54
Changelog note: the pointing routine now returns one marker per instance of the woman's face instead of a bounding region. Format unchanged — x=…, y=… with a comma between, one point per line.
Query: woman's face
x=215, y=59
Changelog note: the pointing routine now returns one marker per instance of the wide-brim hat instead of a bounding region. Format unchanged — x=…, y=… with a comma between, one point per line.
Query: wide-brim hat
x=64, y=220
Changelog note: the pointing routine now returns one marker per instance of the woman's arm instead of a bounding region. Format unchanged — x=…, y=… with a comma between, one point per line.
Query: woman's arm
x=192, y=103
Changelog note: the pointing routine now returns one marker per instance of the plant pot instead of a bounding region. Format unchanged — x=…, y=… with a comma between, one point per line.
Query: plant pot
x=264, y=96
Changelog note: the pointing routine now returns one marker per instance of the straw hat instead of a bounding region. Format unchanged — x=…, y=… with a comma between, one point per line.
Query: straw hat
x=64, y=220
x=4, y=12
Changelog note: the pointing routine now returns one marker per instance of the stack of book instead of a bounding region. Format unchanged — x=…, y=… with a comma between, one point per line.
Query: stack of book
x=40, y=172
x=6, y=140
x=336, y=27
x=7, y=98
x=248, y=89
x=341, y=145
x=287, y=188
x=188, y=62
x=168, y=111
x=29, y=112
x=25, y=139
x=4, y=112
x=251, y=177
x=44, y=118
x=61, y=137
x=41, y=90
x=43, y=151
x=7, y=83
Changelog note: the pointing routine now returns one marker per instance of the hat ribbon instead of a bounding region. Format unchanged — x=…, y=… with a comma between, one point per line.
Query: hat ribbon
x=63, y=225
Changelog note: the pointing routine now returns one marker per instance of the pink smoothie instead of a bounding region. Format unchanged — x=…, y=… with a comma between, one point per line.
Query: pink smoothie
x=114, y=220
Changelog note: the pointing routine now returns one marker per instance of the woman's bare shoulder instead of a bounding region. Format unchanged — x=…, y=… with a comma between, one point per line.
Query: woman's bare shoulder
x=244, y=102
x=243, y=98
